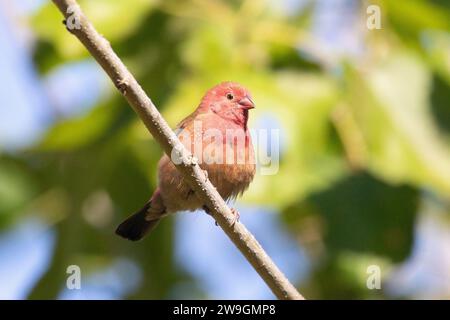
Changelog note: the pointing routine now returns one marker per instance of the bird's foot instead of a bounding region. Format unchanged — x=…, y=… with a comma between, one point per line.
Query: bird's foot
x=206, y=209
x=236, y=216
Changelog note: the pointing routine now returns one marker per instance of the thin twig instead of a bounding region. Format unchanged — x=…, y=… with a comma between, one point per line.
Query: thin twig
x=77, y=23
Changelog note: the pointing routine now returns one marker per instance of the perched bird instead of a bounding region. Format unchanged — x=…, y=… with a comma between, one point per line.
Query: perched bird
x=216, y=134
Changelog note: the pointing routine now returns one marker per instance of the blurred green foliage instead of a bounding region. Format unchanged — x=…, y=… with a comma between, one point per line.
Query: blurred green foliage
x=360, y=144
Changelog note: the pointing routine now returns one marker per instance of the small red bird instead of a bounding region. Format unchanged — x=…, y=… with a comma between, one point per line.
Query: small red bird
x=216, y=134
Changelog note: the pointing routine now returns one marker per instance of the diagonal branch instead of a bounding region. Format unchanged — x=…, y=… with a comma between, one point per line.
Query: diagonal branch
x=100, y=49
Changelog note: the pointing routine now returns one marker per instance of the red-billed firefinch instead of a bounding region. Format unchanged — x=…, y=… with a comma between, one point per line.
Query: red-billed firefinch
x=216, y=134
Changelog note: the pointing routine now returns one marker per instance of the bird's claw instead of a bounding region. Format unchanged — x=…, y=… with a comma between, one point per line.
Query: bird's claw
x=206, y=209
x=236, y=216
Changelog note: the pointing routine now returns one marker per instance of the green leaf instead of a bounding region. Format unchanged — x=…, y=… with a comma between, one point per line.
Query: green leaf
x=47, y=23
x=75, y=133
x=362, y=214
x=17, y=188
x=391, y=104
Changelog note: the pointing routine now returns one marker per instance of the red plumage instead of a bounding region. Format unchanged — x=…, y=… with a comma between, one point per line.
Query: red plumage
x=216, y=133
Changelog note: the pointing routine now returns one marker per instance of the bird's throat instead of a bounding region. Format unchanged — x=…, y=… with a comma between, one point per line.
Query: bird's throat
x=240, y=117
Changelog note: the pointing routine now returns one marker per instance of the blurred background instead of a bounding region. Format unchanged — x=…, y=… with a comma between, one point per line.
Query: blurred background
x=364, y=120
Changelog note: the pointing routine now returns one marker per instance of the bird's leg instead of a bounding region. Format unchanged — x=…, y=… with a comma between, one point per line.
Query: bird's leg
x=236, y=216
x=235, y=213
x=206, y=209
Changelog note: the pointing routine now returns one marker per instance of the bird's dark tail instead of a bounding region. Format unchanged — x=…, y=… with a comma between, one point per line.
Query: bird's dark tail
x=136, y=226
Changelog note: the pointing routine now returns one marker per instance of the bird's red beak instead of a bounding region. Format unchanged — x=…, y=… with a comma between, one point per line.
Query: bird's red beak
x=246, y=103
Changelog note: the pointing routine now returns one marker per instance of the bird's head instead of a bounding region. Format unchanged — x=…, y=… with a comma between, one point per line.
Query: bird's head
x=230, y=101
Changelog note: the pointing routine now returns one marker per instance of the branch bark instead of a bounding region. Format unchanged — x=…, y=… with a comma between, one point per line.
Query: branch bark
x=77, y=23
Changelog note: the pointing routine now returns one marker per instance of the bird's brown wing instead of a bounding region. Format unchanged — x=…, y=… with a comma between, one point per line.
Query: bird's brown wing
x=186, y=122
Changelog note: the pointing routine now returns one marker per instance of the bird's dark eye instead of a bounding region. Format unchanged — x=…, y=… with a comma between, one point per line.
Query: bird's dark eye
x=230, y=96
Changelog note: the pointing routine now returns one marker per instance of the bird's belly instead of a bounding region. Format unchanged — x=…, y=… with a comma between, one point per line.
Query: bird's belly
x=229, y=180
